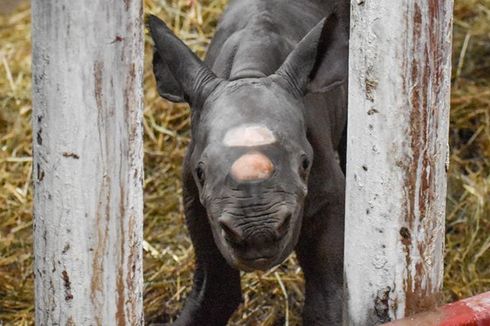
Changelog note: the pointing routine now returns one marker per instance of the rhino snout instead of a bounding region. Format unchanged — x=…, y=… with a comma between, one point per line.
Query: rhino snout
x=256, y=239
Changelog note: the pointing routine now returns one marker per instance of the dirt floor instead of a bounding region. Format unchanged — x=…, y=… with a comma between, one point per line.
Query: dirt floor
x=274, y=297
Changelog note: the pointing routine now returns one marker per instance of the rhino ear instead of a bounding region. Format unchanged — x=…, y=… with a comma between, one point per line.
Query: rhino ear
x=181, y=76
x=167, y=86
x=320, y=60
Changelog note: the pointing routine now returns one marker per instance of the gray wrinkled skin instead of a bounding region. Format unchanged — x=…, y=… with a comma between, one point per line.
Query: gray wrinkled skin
x=281, y=65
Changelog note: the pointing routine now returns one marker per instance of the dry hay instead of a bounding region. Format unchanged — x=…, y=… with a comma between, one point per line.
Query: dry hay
x=168, y=252
x=467, y=259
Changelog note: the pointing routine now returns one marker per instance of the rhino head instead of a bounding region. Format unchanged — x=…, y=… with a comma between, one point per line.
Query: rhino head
x=250, y=153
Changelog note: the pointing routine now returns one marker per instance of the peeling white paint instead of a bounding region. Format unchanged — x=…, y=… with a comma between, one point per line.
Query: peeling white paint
x=88, y=161
x=396, y=178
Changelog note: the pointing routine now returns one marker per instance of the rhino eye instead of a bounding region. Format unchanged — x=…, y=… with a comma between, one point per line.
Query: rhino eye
x=305, y=163
x=200, y=173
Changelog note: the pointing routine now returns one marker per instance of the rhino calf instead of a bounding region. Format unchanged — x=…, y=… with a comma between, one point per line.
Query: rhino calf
x=261, y=177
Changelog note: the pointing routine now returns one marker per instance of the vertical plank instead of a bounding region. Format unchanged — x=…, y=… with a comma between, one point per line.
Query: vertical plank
x=400, y=61
x=88, y=161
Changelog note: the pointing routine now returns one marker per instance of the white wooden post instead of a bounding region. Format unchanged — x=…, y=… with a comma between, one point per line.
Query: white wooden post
x=88, y=167
x=397, y=152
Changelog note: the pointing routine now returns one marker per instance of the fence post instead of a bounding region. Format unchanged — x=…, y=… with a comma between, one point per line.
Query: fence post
x=397, y=157
x=88, y=161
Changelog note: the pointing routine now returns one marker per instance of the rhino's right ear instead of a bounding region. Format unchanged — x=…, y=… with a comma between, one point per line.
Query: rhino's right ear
x=181, y=76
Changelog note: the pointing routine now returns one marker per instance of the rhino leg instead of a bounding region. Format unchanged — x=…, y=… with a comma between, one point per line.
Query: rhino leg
x=320, y=253
x=216, y=291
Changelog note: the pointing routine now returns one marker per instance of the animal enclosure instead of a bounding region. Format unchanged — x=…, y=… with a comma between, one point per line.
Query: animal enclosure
x=167, y=250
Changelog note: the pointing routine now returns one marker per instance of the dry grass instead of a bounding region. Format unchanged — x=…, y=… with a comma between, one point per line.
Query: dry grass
x=168, y=252
x=468, y=211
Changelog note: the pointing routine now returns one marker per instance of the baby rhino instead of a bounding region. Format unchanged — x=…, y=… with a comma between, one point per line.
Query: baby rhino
x=261, y=175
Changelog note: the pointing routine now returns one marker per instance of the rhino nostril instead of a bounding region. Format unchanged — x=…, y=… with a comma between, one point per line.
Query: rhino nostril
x=283, y=224
x=232, y=234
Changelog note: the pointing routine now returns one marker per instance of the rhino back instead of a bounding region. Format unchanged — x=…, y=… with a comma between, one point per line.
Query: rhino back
x=254, y=37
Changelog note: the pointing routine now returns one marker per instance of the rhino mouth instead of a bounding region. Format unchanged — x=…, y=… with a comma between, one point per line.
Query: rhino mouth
x=260, y=263
x=264, y=248
x=250, y=264
x=251, y=258
x=256, y=233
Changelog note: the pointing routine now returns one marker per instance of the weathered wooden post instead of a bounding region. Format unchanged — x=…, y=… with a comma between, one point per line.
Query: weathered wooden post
x=88, y=167
x=397, y=157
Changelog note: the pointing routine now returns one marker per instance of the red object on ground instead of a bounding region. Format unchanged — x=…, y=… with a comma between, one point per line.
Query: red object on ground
x=474, y=311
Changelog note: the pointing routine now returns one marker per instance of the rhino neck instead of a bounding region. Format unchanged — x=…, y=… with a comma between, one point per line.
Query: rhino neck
x=251, y=52
x=259, y=54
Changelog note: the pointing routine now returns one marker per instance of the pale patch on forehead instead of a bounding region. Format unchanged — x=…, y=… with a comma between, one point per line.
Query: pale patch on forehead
x=252, y=166
x=248, y=136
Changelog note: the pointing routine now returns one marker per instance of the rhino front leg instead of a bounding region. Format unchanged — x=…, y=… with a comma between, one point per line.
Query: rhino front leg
x=320, y=253
x=216, y=291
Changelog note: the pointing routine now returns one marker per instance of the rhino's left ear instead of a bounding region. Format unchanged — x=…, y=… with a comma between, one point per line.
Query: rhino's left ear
x=319, y=62
x=180, y=74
